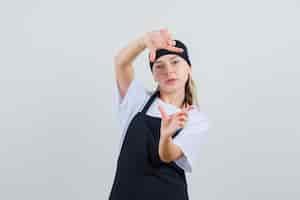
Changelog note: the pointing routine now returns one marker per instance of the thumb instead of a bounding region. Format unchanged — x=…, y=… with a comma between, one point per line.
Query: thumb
x=163, y=113
x=152, y=54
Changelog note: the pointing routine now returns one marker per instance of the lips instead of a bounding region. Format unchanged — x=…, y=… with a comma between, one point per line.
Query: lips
x=171, y=80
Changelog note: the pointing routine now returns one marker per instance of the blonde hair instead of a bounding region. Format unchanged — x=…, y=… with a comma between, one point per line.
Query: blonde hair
x=190, y=96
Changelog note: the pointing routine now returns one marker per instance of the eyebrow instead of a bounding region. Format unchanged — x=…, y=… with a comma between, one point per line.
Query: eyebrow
x=171, y=58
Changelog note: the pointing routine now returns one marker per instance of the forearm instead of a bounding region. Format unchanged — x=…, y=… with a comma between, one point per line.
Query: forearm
x=127, y=54
x=168, y=151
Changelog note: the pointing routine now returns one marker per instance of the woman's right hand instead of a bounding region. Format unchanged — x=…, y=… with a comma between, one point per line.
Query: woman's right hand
x=160, y=39
x=171, y=123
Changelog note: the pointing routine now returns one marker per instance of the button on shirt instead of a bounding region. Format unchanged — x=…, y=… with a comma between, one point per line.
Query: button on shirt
x=190, y=138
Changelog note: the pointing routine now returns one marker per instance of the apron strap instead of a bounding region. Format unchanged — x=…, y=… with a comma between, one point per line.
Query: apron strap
x=149, y=102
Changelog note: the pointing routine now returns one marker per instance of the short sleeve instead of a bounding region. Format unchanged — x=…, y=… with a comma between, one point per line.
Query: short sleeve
x=130, y=104
x=191, y=138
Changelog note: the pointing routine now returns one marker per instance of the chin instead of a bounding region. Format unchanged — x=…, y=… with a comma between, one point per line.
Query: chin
x=171, y=89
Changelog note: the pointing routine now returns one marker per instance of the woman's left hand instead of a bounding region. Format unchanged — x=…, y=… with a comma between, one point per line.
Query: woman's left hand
x=171, y=123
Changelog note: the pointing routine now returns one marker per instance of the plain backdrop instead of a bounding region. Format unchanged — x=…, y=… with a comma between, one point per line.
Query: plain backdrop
x=59, y=133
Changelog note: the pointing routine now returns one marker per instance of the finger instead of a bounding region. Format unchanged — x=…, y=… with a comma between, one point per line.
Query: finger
x=152, y=54
x=163, y=113
x=175, y=49
x=162, y=30
x=186, y=114
x=182, y=113
x=181, y=124
x=165, y=33
x=173, y=43
x=182, y=118
x=167, y=36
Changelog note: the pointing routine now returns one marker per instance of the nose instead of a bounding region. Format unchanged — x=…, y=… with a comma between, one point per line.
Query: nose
x=169, y=69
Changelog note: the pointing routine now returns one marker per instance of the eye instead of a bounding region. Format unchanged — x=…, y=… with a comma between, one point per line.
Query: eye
x=175, y=61
x=158, y=66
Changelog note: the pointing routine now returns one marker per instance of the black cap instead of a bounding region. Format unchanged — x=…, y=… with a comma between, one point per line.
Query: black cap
x=162, y=52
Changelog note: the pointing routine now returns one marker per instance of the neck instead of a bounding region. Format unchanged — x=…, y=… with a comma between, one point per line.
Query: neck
x=175, y=98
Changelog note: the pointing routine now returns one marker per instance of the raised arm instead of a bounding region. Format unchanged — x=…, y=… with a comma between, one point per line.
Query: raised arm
x=123, y=63
x=152, y=40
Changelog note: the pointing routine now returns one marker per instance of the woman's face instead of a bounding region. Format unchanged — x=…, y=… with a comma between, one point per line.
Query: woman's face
x=171, y=72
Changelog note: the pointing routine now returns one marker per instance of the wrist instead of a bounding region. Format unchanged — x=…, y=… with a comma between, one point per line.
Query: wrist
x=165, y=138
x=141, y=41
x=164, y=148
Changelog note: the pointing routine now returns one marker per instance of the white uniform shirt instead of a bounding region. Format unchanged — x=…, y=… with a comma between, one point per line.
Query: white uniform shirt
x=189, y=138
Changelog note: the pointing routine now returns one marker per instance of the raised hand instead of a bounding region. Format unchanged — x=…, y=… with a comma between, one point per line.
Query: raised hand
x=171, y=123
x=160, y=39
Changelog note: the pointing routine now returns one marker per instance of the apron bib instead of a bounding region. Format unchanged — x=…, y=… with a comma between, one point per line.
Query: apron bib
x=140, y=174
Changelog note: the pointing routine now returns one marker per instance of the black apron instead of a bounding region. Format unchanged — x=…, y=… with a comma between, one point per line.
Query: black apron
x=140, y=174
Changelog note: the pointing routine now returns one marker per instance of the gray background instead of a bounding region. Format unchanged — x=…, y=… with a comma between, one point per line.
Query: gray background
x=58, y=128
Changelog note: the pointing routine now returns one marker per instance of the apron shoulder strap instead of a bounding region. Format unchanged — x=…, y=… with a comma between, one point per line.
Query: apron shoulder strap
x=149, y=102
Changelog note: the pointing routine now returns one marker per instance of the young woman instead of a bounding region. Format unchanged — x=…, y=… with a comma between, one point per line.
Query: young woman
x=162, y=130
